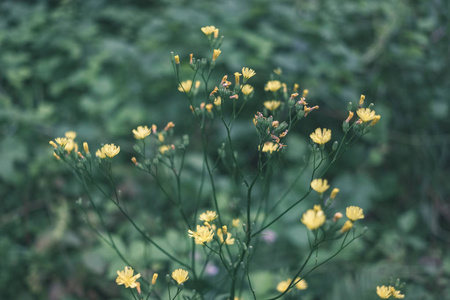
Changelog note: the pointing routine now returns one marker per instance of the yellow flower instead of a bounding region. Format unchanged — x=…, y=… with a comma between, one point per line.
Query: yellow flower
x=141, y=132
x=396, y=294
x=283, y=285
x=383, y=292
x=313, y=218
x=361, y=100
x=305, y=93
x=247, y=89
x=177, y=59
x=347, y=226
x=320, y=185
x=208, y=30
x=109, y=150
x=71, y=135
x=208, y=216
x=354, y=213
x=273, y=86
x=86, y=147
x=236, y=222
x=185, y=86
x=218, y=101
x=126, y=277
x=209, y=107
x=365, y=114
x=180, y=275
x=228, y=241
x=70, y=146
x=248, y=73
x=62, y=141
x=154, y=277
x=56, y=156
x=237, y=75
x=321, y=136
x=216, y=54
x=272, y=105
x=334, y=192
x=203, y=235
x=301, y=284
x=375, y=120
x=270, y=147
x=164, y=148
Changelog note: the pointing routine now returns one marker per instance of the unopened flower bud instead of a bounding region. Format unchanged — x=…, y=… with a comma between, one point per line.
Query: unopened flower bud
x=337, y=216
x=334, y=192
x=335, y=146
x=177, y=59
x=86, y=147
x=350, y=116
x=305, y=93
x=216, y=54
x=53, y=144
x=224, y=230
x=347, y=226
x=361, y=100
x=133, y=159
x=155, y=276
x=349, y=106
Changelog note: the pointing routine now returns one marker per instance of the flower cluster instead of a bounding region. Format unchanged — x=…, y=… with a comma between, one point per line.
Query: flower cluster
x=386, y=292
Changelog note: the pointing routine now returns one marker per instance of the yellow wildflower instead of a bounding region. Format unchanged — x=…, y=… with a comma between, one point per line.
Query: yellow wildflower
x=313, y=219
x=237, y=75
x=301, y=284
x=283, y=285
x=248, y=73
x=354, y=213
x=216, y=54
x=361, y=100
x=161, y=137
x=321, y=136
x=272, y=105
x=383, y=292
x=164, y=148
x=320, y=185
x=86, y=147
x=70, y=146
x=216, y=33
x=71, y=135
x=228, y=240
x=365, y=114
x=62, y=141
x=109, y=150
x=375, y=120
x=247, y=89
x=347, y=226
x=180, y=275
x=273, y=86
x=334, y=192
x=208, y=216
x=208, y=30
x=270, y=147
x=154, y=277
x=169, y=125
x=296, y=86
x=141, y=132
x=203, y=235
x=126, y=277
x=396, y=294
x=209, y=107
x=218, y=101
x=236, y=222
x=177, y=59
x=305, y=93
x=185, y=86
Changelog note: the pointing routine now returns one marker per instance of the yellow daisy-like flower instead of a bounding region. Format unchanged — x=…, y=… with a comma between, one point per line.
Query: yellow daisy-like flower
x=141, y=132
x=396, y=294
x=270, y=147
x=321, y=136
x=301, y=284
x=126, y=277
x=247, y=89
x=180, y=275
x=216, y=54
x=248, y=73
x=272, y=105
x=236, y=222
x=70, y=146
x=109, y=150
x=347, y=226
x=228, y=240
x=383, y=292
x=185, y=86
x=354, y=213
x=283, y=285
x=320, y=185
x=62, y=141
x=71, y=135
x=365, y=114
x=273, y=86
x=203, y=235
x=313, y=218
x=208, y=29
x=208, y=216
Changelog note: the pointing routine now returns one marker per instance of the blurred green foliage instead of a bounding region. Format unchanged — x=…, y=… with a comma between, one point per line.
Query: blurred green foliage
x=102, y=68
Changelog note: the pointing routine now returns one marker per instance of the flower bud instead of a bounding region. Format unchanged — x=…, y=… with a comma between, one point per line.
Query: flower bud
x=335, y=146
x=349, y=106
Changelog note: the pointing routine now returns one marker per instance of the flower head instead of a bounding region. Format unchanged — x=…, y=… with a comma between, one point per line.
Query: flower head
x=301, y=284
x=141, y=132
x=177, y=59
x=313, y=218
x=321, y=136
x=272, y=105
x=216, y=54
x=383, y=292
x=248, y=73
x=347, y=226
x=62, y=141
x=208, y=216
x=204, y=234
x=320, y=185
x=283, y=285
x=180, y=275
x=164, y=148
x=208, y=29
x=354, y=213
x=126, y=277
x=247, y=89
x=185, y=86
x=270, y=147
x=228, y=240
x=396, y=294
x=237, y=75
x=236, y=222
x=71, y=135
x=273, y=86
x=109, y=150
x=375, y=120
x=365, y=114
